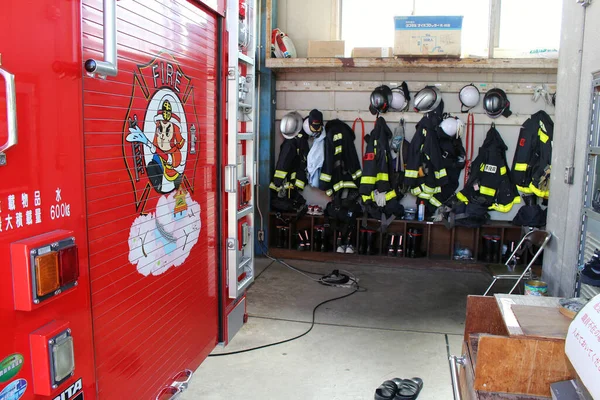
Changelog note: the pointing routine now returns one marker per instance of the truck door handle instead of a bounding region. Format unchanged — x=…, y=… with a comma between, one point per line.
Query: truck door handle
x=11, y=113
x=182, y=379
x=108, y=67
x=169, y=392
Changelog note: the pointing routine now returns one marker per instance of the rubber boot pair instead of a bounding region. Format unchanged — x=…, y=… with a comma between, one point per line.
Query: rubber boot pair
x=303, y=240
x=282, y=236
x=414, y=238
x=394, y=245
x=491, y=248
x=367, y=242
x=320, y=239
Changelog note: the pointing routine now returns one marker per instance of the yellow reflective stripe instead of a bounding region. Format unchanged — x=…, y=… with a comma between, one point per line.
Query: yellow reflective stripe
x=390, y=195
x=299, y=184
x=543, y=137
x=383, y=176
x=415, y=191
x=325, y=177
x=505, y=207
x=488, y=191
x=435, y=202
x=337, y=186
x=521, y=167
x=411, y=173
x=462, y=197
x=425, y=196
x=338, y=149
x=368, y=180
x=357, y=174
x=524, y=189
x=337, y=136
x=539, y=193
x=293, y=176
x=441, y=173
x=349, y=184
x=329, y=192
x=427, y=189
x=366, y=198
x=482, y=167
x=503, y=171
x=280, y=174
x=272, y=186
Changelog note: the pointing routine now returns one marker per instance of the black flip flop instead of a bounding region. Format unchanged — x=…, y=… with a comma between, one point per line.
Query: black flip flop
x=409, y=389
x=388, y=389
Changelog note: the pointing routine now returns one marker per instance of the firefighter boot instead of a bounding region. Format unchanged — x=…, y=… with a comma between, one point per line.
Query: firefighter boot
x=341, y=248
x=495, y=249
x=399, y=251
x=349, y=247
x=487, y=249
x=301, y=243
x=410, y=243
x=370, y=243
x=324, y=239
x=417, y=238
x=307, y=245
x=362, y=245
x=317, y=238
x=391, y=245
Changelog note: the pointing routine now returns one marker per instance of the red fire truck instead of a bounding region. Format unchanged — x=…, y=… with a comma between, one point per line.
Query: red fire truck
x=126, y=205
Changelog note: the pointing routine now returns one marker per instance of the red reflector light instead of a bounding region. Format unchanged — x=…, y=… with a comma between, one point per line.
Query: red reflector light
x=46, y=273
x=69, y=265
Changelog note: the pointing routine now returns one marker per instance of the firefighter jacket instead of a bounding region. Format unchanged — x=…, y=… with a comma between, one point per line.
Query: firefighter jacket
x=532, y=160
x=425, y=172
x=290, y=170
x=378, y=169
x=341, y=166
x=489, y=182
x=453, y=161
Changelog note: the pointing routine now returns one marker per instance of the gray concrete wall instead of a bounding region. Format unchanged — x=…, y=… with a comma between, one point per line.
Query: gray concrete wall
x=579, y=59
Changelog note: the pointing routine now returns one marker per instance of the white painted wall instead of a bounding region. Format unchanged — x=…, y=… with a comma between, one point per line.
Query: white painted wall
x=332, y=102
x=306, y=20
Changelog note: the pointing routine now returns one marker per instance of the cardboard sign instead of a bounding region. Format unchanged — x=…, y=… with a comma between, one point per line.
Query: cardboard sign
x=427, y=36
x=583, y=345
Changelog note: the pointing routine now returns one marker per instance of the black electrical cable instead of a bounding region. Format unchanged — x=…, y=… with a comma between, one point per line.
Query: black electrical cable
x=357, y=288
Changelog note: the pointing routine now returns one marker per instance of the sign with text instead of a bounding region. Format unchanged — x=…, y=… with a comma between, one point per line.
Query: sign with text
x=583, y=346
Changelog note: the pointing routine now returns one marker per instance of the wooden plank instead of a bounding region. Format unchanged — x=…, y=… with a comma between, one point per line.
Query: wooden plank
x=506, y=301
x=510, y=65
x=483, y=316
x=522, y=366
x=409, y=117
x=268, y=30
x=368, y=86
x=542, y=322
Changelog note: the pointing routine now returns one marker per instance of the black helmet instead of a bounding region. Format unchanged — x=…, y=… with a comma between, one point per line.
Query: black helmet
x=427, y=99
x=381, y=98
x=495, y=103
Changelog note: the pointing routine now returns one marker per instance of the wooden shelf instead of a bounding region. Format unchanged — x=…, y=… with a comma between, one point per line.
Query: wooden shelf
x=508, y=65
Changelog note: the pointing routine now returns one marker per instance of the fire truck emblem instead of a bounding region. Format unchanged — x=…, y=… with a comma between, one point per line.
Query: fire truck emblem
x=159, y=148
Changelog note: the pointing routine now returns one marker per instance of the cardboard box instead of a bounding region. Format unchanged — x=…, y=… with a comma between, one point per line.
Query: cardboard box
x=372, y=52
x=427, y=36
x=326, y=48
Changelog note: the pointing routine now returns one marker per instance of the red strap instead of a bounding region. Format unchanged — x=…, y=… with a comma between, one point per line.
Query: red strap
x=362, y=135
x=470, y=143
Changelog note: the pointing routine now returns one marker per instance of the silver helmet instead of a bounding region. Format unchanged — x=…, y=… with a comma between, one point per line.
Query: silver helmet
x=290, y=125
x=428, y=99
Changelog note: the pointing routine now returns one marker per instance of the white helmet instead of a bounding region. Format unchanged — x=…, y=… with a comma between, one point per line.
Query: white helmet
x=291, y=125
x=427, y=99
x=452, y=126
x=469, y=97
x=400, y=97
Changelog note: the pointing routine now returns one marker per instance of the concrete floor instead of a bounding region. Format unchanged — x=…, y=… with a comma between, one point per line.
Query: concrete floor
x=404, y=325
